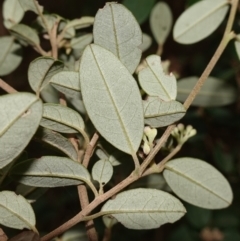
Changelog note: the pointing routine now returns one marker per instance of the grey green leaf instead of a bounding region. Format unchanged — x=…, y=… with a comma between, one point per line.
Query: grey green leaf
x=25, y=33
x=20, y=116
x=31, y=5
x=41, y=70
x=75, y=234
x=214, y=92
x=50, y=95
x=67, y=82
x=198, y=183
x=144, y=208
x=30, y=193
x=237, y=46
x=102, y=171
x=10, y=55
x=61, y=118
x=47, y=21
x=112, y=98
x=50, y=171
x=80, y=43
x=16, y=212
x=12, y=13
x=116, y=30
x=147, y=42
x=191, y=25
x=161, y=22
x=80, y=23
x=155, y=82
x=58, y=141
x=140, y=8
x=158, y=113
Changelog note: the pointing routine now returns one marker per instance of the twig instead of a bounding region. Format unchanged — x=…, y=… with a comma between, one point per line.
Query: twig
x=53, y=40
x=9, y=89
x=82, y=191
x=160, y=166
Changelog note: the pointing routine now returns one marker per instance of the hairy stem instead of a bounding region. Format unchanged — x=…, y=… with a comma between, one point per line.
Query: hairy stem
x=82, y=190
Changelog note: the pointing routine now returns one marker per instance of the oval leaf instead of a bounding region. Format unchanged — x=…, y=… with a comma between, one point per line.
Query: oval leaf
x=237, y=46
x=58, y=141
x=30, y=193
x=41, y=70
x=20, y=117
x=31, y=5
x=191, y=25
x=10, y=55
x=50, y=171
x=25, y=33
x=198, y=183
x=161, y=22
x=16, y=212
x=67, y=82
x=12, y=13
x=158, y=113
x=144, y=208
x=116, y=30
x=155, y=82
x=61, y=118
x=80, y=23
x=214, y=92
x=147, y=42
x=112, y=98
x=140, y=8
x=102, y=171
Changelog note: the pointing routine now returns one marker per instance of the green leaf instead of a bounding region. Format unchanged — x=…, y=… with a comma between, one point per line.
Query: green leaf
x=214, y=92
x=161, y=22
x=80, y=23
x=20, y=117
x=41, y=70
x=155, y=82
x=147, y=42
x=10, y=55
x=25, y=33
x=30, y=193
x=159, y=113
x=112, y=98
x=67, y=82
x=58, y=141
x=61, y=118
x=144, y=208
x=102, y=171
x=50, y=171
x=191, y=25
x=12, y=13
x=198, y=183
x=31, y=5
x=16, y=212
x=140, y=8
x=116, y=30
